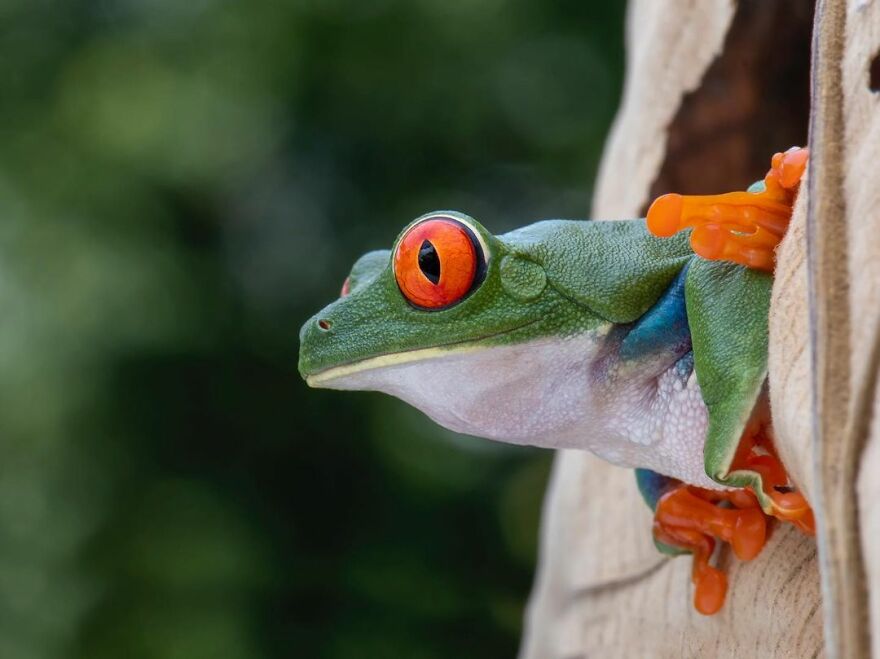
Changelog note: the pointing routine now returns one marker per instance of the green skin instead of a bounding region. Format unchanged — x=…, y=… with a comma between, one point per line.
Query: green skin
x=556, y=289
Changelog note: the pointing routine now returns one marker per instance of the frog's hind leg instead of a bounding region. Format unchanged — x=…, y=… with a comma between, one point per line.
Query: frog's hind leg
x=757, y=454
x=691, y=519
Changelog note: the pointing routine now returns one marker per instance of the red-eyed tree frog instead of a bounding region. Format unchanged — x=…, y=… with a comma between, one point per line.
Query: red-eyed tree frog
x=636, y=340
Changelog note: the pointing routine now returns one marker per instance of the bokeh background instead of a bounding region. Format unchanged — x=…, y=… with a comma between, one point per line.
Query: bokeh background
x=182, y=184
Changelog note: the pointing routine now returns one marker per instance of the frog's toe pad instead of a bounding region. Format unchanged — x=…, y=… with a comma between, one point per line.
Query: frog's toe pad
x=750, y=534
x=664, y=216
x=789, y=167
x=710, y=590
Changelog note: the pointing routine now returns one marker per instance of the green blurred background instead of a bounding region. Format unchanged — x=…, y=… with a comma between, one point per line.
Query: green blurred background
x=182, y=184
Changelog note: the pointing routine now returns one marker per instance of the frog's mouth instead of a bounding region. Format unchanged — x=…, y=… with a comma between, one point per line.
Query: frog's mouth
x=329, y=376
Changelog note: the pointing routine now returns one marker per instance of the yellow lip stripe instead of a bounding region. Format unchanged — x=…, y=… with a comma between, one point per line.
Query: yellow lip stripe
x=393, y=359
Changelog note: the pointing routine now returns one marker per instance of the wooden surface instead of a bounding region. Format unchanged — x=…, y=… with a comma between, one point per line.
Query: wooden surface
x=790, y=356
x=833, y=495
x=839, y=463
x=861, y=189
x=601, y=588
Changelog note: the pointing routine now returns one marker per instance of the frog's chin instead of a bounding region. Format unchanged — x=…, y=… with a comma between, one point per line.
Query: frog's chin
x=534, y=392
x=572, y=392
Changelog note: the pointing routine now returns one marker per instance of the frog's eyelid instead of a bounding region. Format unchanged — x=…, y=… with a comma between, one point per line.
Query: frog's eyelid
x=484, y=248
x=475, y=233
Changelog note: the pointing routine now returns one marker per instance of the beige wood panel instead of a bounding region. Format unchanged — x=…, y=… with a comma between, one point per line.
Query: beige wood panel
x=861, y=185
x=791, y=399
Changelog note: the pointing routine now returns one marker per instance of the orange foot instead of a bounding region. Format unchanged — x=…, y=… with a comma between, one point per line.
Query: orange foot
x=692, y=519
x=689, y=518
x=743, y=227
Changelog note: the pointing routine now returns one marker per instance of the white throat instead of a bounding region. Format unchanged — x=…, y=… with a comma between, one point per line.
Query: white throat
x=529, y=393
x=555, y=393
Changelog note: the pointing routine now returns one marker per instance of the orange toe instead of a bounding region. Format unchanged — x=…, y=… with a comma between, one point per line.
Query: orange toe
x=750, y=534
x=792, y=166
x=710, y=590
x=691, y=519
x=664, y=215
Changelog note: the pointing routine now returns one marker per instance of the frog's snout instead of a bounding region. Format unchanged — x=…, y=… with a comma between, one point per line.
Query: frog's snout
x=312, y=337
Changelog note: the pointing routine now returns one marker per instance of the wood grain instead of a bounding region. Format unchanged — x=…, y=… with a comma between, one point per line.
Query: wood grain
x=838, y=434
x=861, y=189
x=791, y=397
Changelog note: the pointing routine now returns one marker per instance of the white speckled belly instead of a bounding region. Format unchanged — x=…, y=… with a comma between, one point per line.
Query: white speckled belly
x=656, y=422
x=560, y=393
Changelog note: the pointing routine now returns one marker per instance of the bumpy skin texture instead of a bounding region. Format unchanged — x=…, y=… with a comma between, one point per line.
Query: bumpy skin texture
x=612, y=282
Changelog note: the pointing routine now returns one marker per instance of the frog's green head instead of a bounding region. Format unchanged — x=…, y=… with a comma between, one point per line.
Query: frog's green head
x=446, y=285
x=439, y=315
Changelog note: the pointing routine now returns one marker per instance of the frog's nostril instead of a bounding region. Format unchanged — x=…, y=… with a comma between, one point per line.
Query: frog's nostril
x=325, y=324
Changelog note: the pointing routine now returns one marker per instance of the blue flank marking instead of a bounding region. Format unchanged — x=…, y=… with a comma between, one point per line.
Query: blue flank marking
x=685, y=366
x=652, y=486
x=664, y=327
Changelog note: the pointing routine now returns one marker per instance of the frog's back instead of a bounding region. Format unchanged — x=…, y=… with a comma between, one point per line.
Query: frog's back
x=616, y=269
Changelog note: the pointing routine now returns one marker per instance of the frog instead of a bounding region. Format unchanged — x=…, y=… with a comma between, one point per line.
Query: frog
x=643, y=341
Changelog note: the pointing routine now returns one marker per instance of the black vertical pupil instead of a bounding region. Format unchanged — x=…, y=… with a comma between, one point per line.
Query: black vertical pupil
x=429, y=261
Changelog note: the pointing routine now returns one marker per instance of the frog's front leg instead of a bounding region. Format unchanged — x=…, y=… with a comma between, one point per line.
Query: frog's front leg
x=742, y=227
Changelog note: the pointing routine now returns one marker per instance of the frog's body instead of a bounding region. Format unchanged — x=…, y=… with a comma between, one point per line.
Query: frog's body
x=579, y=336
x=591, y=335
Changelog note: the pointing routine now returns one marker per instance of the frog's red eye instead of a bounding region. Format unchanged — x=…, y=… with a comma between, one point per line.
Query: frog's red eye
x=437, y=262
